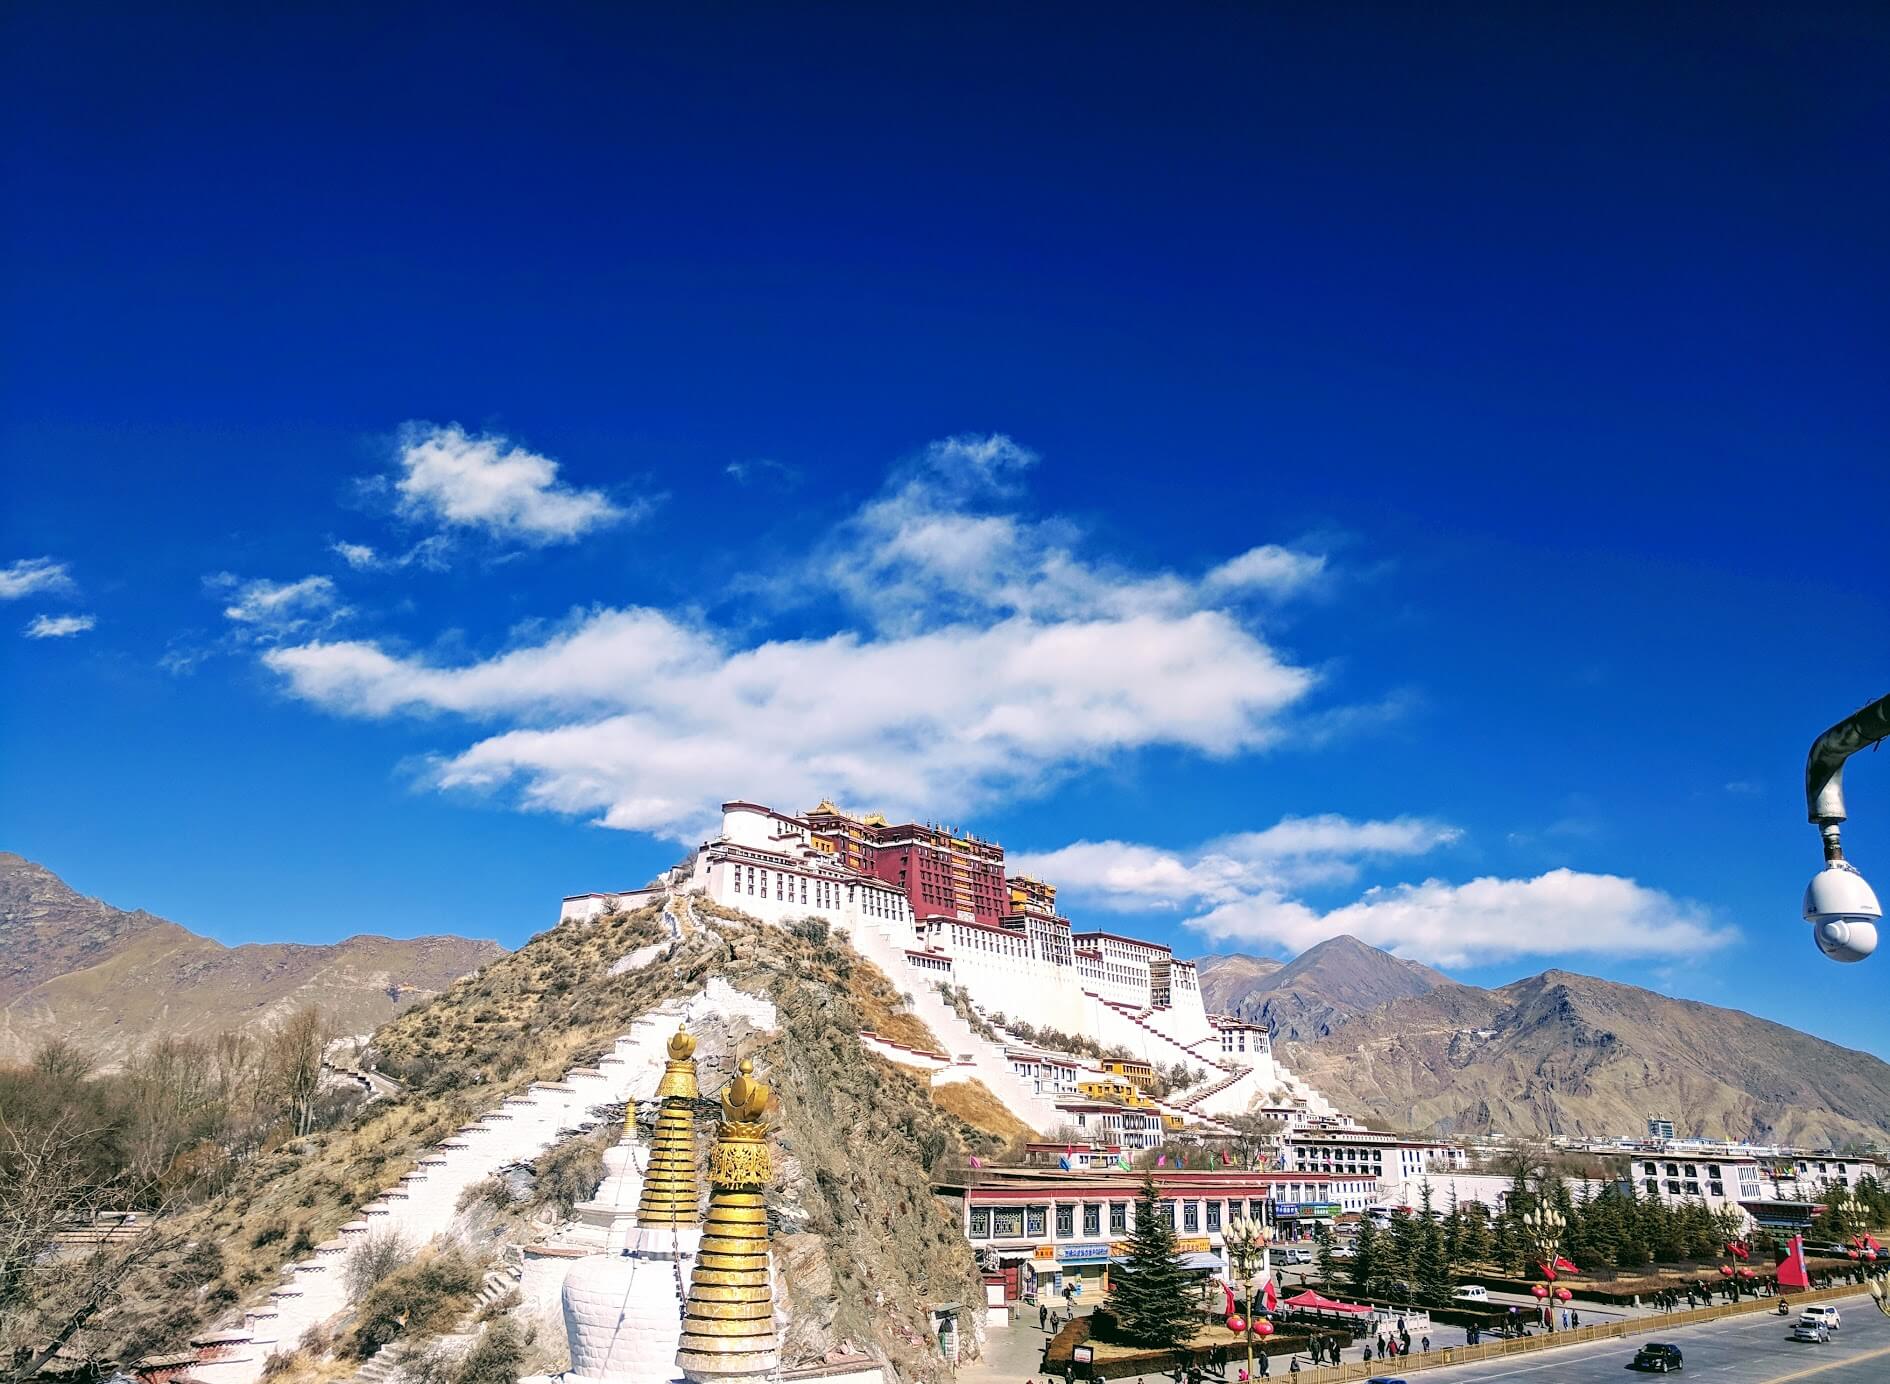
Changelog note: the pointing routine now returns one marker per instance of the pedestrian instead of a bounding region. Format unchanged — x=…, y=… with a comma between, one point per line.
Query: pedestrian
x=1043, y=1316
x=1295, y=1367
x=1575, y=1319
x=1264, y=1367
x=1427, y=1345
x=1367, y=1356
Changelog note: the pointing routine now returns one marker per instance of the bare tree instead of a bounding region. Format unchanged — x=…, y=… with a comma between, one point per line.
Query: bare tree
x=51, y=1294
x=294, y=1062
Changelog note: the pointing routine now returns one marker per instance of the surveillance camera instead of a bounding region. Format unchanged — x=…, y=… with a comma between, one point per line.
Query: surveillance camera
x=1851, y=939
x=1843, y=912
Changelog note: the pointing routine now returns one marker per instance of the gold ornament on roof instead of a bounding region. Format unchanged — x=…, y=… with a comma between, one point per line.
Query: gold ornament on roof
x=670, y=1194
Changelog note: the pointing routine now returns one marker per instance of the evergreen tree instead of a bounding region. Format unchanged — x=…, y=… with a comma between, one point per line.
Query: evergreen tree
x=1149, y=1295
x=1322, y=1255
x=1430, y=1270
x=1365, y=1268
x=1453, y=1230
x=1479, y=1242
x=1397, y=1252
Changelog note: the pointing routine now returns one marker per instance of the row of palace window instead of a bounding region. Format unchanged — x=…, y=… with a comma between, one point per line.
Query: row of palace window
x=1033, y=1222
x=1676, y=1188
x=825, y=893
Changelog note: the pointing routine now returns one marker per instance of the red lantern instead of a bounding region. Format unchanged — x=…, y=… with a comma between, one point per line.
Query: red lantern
x=1563, y=1295
x=1745, y=1273
x=1853, y=1253
x=1726, y=1269
x=1263, y=1327
x=1236, y=1323
x=1540, y=1290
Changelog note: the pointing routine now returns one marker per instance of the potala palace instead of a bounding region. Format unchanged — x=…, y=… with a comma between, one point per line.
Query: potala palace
x=934, y=908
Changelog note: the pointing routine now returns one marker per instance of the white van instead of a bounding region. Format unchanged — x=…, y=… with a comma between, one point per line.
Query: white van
x=1824, y=1315
x=1471, y=1292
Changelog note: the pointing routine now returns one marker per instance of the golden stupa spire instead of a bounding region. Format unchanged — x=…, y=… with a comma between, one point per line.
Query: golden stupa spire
x=670, y=1196
x=728, y=1325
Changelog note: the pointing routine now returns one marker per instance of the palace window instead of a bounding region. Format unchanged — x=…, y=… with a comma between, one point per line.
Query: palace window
x=980, y=1222
x=1036, y=1218
x=1168, y=1212
x=803, y=891
x=1007, y=1222
x=1257, y=1209
x=1190, y=1215
x=1092, y=1219
x=1066, y=1221
x=1213, y=1215
x=1118, y=1217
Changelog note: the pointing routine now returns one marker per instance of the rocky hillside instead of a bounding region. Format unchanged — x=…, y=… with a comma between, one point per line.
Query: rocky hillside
x=74, y=967
x=1318, y=991
x=856, y=1138
x=1560, y=1053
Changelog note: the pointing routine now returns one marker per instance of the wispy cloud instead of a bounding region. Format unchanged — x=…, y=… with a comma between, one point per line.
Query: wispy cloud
x=33, y=576
x=59, y=626
x=995, y=659
x=430, y=552
x=764, y=470
x=267, y=610
x=466, y=482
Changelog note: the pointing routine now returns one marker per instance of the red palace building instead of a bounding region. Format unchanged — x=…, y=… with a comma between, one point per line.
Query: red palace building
x=941, y=870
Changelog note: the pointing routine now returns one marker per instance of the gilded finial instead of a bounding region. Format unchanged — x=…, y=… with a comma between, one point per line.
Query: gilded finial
x=682, y=1045
x=745, y=1098
x=669, y=1187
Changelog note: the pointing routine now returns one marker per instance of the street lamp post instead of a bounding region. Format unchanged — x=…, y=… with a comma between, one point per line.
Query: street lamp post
x=1543, y=1224
x=1245, y=1239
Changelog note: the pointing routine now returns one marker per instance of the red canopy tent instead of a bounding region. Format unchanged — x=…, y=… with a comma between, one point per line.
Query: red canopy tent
x=1309, y=1301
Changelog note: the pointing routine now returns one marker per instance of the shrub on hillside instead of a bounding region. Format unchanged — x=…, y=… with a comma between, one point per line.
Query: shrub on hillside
x=487, y=1191
x=571, y=1173
x=421, y=1298
x=373, y=1259
x=496, y=1358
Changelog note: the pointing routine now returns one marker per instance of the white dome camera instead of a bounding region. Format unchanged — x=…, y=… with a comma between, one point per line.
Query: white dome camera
x=1843, y=912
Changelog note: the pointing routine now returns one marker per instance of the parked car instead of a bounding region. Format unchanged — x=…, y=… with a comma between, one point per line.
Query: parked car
x=1472, y=1292
x=1657, y=1357
x=1810, y=1331
x=1826, y=1316
x=1343, y=1252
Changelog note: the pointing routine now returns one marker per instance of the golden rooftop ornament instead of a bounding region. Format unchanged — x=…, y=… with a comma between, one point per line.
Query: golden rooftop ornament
x=728, y=1324
x=670, y=1195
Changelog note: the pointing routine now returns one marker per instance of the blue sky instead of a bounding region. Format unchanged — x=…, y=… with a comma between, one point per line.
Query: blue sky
x=1421, y=478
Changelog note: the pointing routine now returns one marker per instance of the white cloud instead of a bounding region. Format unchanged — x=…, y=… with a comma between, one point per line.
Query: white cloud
x=994, y=660
x=272, y=610
x=462, y=481
x=1240, y=890
x=943, y=543
x=764, y=469
x=1126, y=876
x=1269, y=569
x=359, y=556
x=34, y=575
x=59, y=626
x=1485, y=920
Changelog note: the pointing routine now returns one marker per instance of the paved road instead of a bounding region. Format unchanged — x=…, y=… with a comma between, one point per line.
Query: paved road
x=1742, y=1350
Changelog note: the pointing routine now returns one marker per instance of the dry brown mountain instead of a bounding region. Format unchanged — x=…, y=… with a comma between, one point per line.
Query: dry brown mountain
x=1319, y=990
x=74, y=967
x=1561, y=1053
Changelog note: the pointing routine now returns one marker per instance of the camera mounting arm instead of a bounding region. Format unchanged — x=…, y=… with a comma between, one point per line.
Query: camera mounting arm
x=1824, y=768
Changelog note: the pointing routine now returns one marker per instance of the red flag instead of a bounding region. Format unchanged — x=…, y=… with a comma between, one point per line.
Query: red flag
x=1791, y=1269
x=1230, y=1300
x=1272, y=1297
x=976, y=1161
x=1161, y=1160
x=1227, y=1159
x=1564, y=1266
x=1547, y=1272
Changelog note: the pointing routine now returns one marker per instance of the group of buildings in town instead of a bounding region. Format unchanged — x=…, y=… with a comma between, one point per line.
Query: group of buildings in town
x=977, y=950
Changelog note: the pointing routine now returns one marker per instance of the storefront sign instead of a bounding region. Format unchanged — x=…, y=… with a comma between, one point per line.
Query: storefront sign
x=1045, y=1252
x=1076, y=1254
x=1200, y=1246
x=1306, y=1210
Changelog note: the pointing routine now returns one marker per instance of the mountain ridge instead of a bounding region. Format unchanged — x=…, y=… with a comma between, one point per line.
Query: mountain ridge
x=110, y=980
x=1315, y=993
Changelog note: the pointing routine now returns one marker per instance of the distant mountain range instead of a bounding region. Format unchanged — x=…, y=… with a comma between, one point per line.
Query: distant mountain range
x=111, y=980
x=1557, y=1053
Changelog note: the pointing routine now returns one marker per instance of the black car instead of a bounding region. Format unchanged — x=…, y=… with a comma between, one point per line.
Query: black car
x=1661, y=1358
